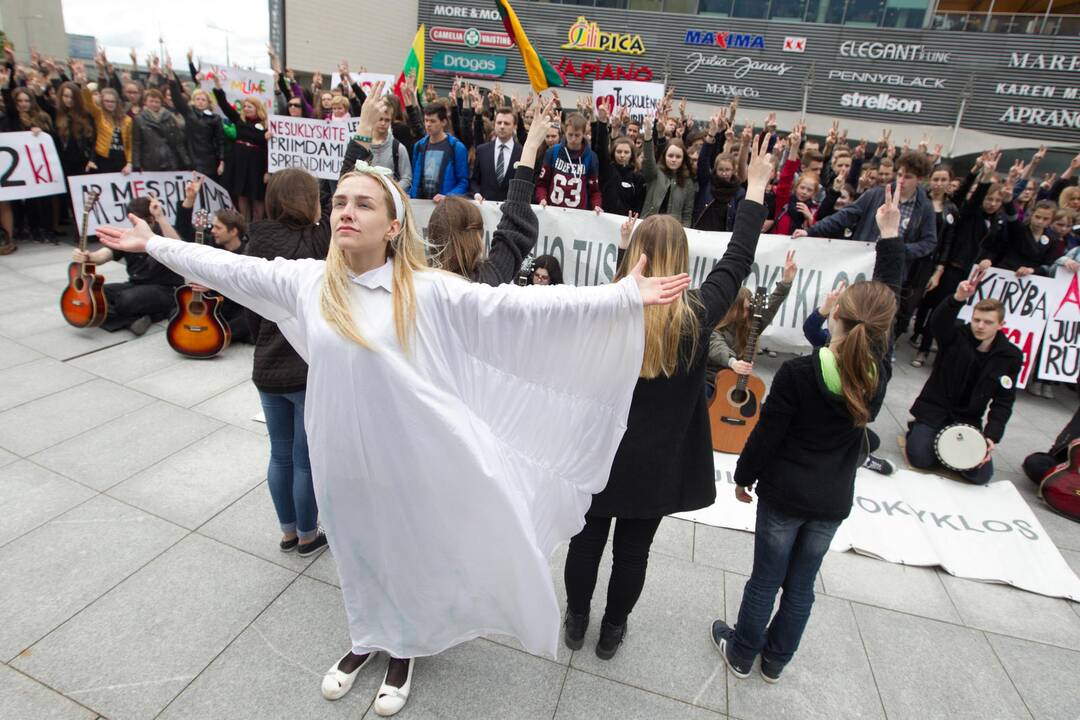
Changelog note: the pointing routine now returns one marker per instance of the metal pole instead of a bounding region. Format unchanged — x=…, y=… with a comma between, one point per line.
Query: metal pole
x=1046, y=16
x=989, y=12
x=965, y=95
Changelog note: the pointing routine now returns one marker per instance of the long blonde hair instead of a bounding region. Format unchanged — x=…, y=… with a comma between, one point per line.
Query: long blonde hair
x=662, y=239
x=407, y=249
x=866, y=310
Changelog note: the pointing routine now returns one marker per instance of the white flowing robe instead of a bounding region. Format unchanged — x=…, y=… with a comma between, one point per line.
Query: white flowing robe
x=446, y=477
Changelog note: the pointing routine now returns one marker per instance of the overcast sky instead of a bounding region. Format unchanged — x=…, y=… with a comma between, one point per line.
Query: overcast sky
x=122, y=24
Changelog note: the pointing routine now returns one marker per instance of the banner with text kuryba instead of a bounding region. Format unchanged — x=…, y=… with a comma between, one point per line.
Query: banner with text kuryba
x=118, y=190
x=1060, y=358
x=983, y=532
x=29, y=166
x=586, y=245
x=318, y=146
x=1028, y=302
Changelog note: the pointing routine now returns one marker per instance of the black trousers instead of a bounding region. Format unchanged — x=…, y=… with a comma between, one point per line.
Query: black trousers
x=630, y=551
x=128, y=302
x=950, y=278
x=1036, y=465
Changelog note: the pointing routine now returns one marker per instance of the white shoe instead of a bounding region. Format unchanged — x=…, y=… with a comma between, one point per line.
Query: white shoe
x=336, y=683
x=391, y=699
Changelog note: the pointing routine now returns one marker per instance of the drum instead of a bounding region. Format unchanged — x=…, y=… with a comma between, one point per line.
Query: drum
x=960, y=447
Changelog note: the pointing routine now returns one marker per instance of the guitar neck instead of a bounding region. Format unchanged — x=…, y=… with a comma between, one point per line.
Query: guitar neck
x=85, y=224
x=751, y=351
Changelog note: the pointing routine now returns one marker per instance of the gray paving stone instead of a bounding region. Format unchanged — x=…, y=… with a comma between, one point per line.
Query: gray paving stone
x=235, y=406
x=13, y=353
x=324, y=569
x=60, y=567
x=190, y=382
x=31, y=495
x=587, y=697
x=6, y=457
x=50, y=273
x=12, y=278
x=1018, y=613
x=930, y=669
x=675, y=537
x=723, y=548
x=134, y=649
x=30, y=296
x=1064, y=532
x=906, y=588
x=38, y=378
x=1071, y=556
x=482, y=679
x=192, y=485
x=671, y=621
x=1045, y=676
x=132, y=360
x=31, y=321
x=251, y=524
x=829, y=677
x=47, y=421
x=64, y=343
x=116, y=450
x=274, y=669
x=24, y=697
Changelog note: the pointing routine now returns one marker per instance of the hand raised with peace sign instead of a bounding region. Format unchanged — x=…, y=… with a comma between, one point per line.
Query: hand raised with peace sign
x=888, y=215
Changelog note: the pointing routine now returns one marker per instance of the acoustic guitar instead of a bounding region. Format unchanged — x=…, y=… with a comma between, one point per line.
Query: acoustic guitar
x=83, y=301
x=736, y=406
x=197, y=328
x=1060, y=488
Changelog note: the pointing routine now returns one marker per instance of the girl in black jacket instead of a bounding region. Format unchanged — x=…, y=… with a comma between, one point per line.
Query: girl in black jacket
x=204, y=129
x=665, y=460
x=622, y=184
x=803, y=455
x=926, y=272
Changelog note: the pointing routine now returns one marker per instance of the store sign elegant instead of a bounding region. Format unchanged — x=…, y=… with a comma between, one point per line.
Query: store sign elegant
x=887, y=78
x=604, y=71
x=905, y=52
x=468, y=64
x=587, y=35
x=470, y=37
x=740, y=66
x=725, y=40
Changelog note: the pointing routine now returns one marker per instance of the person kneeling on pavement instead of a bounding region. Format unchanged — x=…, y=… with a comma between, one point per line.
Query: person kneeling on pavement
x=976, y=368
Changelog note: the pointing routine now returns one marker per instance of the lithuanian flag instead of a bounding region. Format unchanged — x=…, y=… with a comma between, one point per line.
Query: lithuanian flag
x=541, y=75
x=414, y=63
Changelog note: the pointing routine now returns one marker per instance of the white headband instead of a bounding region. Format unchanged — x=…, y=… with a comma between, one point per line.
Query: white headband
x=386, y=177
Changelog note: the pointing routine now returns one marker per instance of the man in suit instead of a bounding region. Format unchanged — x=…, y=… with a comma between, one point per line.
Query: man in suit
x=495, y=160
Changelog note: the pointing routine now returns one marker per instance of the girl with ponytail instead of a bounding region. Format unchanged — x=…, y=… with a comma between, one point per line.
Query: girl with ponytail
x=442, y=500
x=803, y=455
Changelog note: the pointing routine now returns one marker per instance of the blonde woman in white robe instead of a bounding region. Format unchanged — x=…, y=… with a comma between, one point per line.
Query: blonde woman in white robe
x=441, y=488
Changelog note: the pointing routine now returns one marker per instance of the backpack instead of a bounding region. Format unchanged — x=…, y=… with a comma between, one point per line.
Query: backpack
x=394, y=152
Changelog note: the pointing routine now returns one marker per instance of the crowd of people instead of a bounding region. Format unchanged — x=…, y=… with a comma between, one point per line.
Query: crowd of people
x=329, y=271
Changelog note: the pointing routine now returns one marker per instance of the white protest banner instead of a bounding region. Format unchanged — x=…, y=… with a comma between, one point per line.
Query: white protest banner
x=586, y=246
x=982, y=532
x=1028, y=303
x=366, y=80
x=318, y=146
x=117, y=190
x=29, y=166
x=1061, y=342
x=641, y=98
x=238, y=84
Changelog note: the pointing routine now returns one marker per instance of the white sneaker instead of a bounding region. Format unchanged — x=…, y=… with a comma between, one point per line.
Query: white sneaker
x=390, y=699
x=336, y=683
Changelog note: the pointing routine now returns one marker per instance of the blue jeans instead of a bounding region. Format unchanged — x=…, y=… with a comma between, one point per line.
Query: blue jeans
x=787, y=554
x=920, y=452
x=289, y=473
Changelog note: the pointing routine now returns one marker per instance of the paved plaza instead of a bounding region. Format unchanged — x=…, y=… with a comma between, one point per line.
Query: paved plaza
x=140, y=576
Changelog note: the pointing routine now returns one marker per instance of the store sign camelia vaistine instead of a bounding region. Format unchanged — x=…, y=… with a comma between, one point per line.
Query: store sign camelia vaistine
x=725, y=40
x=468, y=64
x=470, y=37
x=604, y=71
x=740, y=66
x=586, y=35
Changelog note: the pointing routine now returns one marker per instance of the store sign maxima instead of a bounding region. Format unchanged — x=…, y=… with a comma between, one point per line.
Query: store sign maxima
x=725, y=40
x=468, y=64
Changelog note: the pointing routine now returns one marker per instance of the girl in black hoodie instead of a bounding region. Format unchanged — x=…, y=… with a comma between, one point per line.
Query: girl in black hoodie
x=803, y=455
x=621, y=184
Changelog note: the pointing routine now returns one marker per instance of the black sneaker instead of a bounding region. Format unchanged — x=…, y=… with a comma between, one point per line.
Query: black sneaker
x=721, y=635
x=574, y=630
x=879, y=465
x=307, y=549
x=611, y=637
x=289, y=545
x=770, y=671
